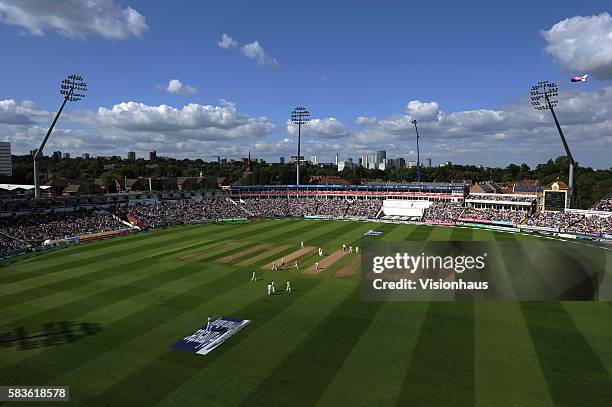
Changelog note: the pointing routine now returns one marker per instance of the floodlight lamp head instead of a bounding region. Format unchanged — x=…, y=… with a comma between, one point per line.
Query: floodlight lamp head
x=300, y=115
x=542, y=94
x=73, y=88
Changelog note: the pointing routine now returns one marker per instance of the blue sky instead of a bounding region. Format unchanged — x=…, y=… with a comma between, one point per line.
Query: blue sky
x=356, y=67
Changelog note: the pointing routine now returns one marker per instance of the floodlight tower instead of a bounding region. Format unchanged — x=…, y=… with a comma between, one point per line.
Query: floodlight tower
x=543, y=97
x=418, y=154
x=299, y=116
x=73, y=88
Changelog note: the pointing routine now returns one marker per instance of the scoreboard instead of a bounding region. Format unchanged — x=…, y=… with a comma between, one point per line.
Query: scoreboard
x=555, y=200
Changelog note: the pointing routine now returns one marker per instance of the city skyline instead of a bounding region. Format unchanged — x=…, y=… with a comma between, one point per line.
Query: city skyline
x=230, y=87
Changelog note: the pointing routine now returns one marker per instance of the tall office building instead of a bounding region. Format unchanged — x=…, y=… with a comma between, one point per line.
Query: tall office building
x=85, y=156
x=400, y=162
x=281, y=160
x=57, y=155
x=216, y=159
x=66, y=156
x=336, y=159
x=313, y=159
x=6, y=165
x=429, y=163
x=364, y=160
x=131, y=156
x=153, y=155
x=381, y=156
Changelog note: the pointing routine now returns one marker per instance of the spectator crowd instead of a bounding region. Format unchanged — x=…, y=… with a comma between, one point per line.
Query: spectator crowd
x=32, y=230
x=604, y=205
x=499, y=215
x=501, y=197
x=443, y=212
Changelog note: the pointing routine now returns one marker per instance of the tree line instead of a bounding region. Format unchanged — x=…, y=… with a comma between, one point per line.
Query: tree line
x=590, y=184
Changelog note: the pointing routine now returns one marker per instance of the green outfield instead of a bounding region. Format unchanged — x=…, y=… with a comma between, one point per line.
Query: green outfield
x=319, y=344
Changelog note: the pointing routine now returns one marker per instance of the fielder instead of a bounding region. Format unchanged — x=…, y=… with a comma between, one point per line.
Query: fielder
x=301, y=244
x=269, y=289
x=343, y=247
x=316, y=265
x=274, y=265
x=356, y=249
x=288, y=286
x=350, y=249
x=272, y=284
x=296, y=265
x=253, y=278
x=320, y=252
x=283, y=262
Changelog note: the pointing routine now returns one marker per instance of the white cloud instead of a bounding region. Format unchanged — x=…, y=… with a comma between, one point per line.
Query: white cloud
x=423, y=111
x=227, y=42
x=513, y=133
x=22, y=113
x=176, y=86
x=327, y=128
x=582, y=44
x=192, y=121
x=252, y=50
x=256, y=52
x=74, y=18
x=517, y=133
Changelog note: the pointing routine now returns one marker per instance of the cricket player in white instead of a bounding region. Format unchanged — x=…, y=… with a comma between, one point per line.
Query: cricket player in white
x=269, y=289
x=296, y=264
x=316, y=265
x=350, y=249
x=288, y=286
x=302, y=244
x=320, y=252
x=274, y=265
x=343, y=247
x=208, y=323
x=356, y=249
x=283, y=262
x=272, y=284
x=253, y=278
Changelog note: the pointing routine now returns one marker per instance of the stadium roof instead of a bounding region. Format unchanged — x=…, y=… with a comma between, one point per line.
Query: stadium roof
x=13, y=187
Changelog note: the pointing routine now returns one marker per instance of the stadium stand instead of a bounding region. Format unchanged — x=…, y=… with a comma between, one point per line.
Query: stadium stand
x=364, y=208
x=604, y=204
x=40, y=221
x=178, y=212
x=558, y=220
x=302, y=206
x=501, y=197
x=332, y=207
x=33, y=230
x=493, y=215
x=443, y=212
x=404, y=210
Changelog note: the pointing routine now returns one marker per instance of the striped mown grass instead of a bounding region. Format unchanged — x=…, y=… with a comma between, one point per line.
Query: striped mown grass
x=319, y=345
